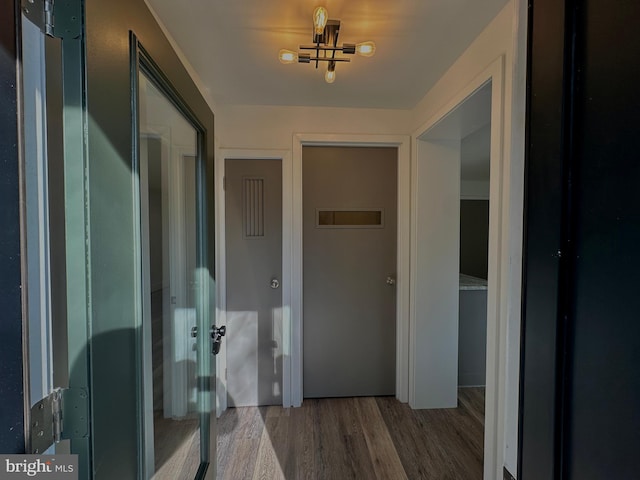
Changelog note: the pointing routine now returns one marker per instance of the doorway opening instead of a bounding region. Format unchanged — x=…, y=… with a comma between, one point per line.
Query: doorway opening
x=436, y=285
x=475, y=149
x=451, y=253
x=451, y=250
x=475, y=167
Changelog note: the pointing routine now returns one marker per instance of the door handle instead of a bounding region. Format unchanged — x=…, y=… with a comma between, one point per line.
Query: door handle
x=391, y=281
x=275, y=283
x=216, y=337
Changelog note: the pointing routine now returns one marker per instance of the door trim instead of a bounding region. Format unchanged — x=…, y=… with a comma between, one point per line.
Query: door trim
x=286, y=285
x=402, y=143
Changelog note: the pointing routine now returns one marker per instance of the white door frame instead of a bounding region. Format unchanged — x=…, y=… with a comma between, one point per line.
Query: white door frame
x=221, y=264
x=502, y=252
x=402, y=143
x=40, y=359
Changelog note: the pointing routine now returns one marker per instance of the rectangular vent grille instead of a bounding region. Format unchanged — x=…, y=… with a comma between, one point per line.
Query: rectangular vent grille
x=254, y=207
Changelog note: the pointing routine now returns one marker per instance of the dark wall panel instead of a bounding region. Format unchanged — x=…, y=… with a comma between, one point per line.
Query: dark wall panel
x=603, y=391
x=11, y=383
x=474, y=237
x=543, y=239
x=580, y=387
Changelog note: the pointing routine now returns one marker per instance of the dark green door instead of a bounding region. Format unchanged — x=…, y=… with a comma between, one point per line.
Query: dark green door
x=121, y=231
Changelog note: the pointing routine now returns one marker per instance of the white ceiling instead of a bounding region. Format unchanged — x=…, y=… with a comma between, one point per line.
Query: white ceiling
x=475, y=152
x=470, y=124
x=233, y=46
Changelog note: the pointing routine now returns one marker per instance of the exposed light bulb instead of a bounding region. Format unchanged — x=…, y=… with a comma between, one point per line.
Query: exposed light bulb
x=366, y=49
x=320, y=17
x=330, y=76
x=287, y=56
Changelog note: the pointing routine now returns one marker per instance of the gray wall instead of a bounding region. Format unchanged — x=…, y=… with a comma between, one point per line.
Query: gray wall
x=472, y=338
x=474, y=237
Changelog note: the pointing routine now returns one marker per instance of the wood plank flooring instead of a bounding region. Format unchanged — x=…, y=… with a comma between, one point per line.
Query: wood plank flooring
x=176, y=448
x=353, y=438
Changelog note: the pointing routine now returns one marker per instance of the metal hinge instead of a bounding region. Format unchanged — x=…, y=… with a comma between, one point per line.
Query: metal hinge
x=62, y=415
x=56, y=18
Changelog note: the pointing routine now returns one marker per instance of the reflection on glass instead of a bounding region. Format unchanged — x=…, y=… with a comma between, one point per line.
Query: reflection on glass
x=168, y=153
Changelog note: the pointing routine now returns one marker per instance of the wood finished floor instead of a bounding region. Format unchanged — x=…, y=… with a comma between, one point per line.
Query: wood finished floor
x=176, y=448
x=353, y=438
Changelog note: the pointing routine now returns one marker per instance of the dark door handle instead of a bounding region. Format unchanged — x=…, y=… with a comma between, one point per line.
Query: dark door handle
x=216, y=337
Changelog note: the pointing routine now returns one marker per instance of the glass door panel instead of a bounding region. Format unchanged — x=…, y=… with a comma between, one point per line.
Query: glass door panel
x=168, y=146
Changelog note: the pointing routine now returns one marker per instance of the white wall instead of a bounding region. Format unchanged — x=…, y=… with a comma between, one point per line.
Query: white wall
x=263, y=127
x=434, y=276
x=495, y=40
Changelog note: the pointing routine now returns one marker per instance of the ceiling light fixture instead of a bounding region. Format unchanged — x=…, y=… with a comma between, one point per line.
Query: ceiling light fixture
x=325, y=47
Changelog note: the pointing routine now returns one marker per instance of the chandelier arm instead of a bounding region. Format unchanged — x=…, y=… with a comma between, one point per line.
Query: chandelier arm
x=335, y=44
x=329, y=59
x=346, y=49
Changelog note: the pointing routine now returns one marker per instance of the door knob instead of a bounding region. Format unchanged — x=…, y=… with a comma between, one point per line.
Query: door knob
x=216, y=336
x=391, y=281
x=275, y=283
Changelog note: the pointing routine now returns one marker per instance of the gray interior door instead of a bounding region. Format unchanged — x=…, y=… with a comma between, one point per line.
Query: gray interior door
x=349, y=255
x=254, y=271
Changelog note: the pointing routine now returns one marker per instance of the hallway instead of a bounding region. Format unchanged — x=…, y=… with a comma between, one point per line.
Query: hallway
x=362, y=437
